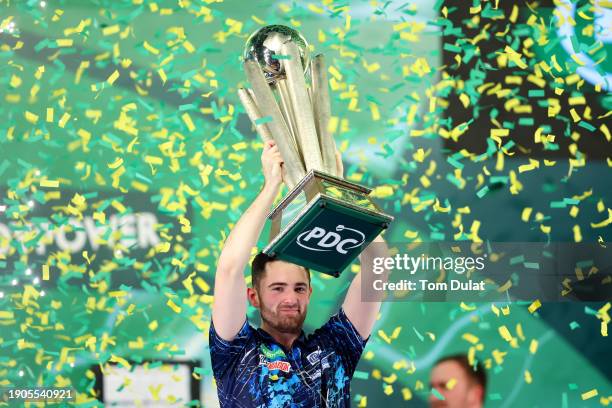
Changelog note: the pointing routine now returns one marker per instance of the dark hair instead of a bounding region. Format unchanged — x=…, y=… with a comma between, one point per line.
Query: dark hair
x=258, y=268
x=475, y=372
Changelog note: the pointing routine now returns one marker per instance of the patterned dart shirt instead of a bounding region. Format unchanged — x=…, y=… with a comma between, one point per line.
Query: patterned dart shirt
x=253, y=370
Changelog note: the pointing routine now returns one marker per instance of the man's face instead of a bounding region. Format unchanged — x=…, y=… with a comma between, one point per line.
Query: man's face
x=459, y=391
x=282, y=296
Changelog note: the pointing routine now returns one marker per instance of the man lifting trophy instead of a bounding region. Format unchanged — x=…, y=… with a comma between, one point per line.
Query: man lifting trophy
x=324, y=221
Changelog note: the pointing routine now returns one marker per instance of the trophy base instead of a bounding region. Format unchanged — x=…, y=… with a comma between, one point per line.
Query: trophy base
x=324, y=223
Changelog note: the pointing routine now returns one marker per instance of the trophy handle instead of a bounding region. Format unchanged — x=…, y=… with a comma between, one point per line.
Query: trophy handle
x=322, y=112
x=268, y=107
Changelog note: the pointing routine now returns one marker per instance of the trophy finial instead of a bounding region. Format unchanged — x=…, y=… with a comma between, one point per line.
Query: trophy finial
x=264, y=45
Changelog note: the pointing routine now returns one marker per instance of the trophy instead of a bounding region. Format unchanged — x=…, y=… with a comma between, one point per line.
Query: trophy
x=324, y=222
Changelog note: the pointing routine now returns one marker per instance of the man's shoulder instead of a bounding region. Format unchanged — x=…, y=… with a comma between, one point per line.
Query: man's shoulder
x=328, y=328
x=246, y=334
x=338, y=330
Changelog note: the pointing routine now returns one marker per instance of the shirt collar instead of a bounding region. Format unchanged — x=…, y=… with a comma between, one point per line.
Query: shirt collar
x=300, y=341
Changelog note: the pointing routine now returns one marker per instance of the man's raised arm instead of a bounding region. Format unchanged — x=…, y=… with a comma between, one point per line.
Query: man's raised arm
x=363, y=314
x=229, y=305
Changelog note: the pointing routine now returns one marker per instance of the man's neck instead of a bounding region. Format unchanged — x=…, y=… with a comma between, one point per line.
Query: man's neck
x=284, y=339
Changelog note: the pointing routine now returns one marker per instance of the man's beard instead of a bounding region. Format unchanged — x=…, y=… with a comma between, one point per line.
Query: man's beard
x=281, y=322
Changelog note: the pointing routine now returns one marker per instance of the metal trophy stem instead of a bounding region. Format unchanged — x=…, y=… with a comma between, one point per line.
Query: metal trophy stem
x=322, y=214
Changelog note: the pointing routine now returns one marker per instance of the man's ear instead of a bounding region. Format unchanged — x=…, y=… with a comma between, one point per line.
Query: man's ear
x=253, y=298
x=478, y=394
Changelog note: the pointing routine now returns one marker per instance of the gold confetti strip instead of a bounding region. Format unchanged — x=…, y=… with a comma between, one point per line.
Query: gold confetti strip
x=534, y=306
x=589, y=394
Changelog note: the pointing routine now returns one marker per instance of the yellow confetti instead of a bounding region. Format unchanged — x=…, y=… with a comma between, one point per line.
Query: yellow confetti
x=505, y=333
x=138, y=344
x=533, y=164
x=6, y=314
x=63, y=120
x=515, y=57
x=505, y=287
x=384, y=336
x=335, y=73
x=589, y=394
x=533, y=346
x=577, y=59
x=534, y=306
x=495, y=310
x=162, y=75
x=64, y=42
x=113, y=77
x=603, y=223
x=577, y=233
x=604, y=316
x=411, y=234
x=574, y=211
x=526, y=213
x=188, y=283
x=110, y=30
x=15, y=81
x=382, y=191
x=374, y=111
x=188, y=122
x=173, y=306
x=45, y=272
x=31, y=117
x=188, y=46
x=120, y=360
x=470, y=338
x=201, y=283
x=150, y=48
x=117, y=163
x=49, y=183
x=604, y=129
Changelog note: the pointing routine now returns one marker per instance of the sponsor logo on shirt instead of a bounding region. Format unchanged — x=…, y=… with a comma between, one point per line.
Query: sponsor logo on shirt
x=314, y=357
x=279, y=365
x=315, y=375
x=325, y=363
x=271, y=354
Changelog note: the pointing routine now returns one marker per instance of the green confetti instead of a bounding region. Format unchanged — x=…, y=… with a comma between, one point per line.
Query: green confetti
x=263, y=120
x=437, y=394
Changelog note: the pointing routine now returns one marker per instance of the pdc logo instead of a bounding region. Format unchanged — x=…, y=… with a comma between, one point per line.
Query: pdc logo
x=343, y=239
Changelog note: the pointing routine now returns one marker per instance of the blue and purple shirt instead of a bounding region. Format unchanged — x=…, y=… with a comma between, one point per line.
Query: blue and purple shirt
x=253, y=370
